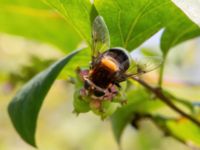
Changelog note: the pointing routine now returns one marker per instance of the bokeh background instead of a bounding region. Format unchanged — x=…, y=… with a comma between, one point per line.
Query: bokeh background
x=58, y=128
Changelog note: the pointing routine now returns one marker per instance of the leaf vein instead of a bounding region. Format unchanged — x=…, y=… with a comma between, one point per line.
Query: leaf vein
x=73, y=24
x=119, y=21
x=134, y=22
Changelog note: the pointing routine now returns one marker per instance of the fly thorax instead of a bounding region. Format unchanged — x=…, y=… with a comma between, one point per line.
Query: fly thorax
x=120, y=56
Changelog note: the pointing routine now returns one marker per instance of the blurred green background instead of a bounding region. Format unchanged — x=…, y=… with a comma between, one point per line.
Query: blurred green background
x=58, y=128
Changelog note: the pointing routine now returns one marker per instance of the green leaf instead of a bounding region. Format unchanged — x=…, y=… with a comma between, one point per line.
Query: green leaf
x=191, y=9
x=79, y=13
x=182, y=129
x=126, y=21
x=25, y=106
x=131, y=23
x=178, y=30
x=35, y=20
x=80, y=105
x=139, y=101
x=81, y=60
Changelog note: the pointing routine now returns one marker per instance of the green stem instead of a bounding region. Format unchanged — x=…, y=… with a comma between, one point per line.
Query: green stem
x=161, y=74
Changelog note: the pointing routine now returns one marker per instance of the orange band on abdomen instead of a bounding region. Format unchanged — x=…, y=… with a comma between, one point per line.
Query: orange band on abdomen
x=109, y=64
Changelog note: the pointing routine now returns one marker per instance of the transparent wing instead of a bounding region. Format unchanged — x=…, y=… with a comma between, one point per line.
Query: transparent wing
x=142, y=61
x=100, y=36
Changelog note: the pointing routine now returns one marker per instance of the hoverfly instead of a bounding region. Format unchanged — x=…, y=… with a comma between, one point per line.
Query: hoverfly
x=110, y=66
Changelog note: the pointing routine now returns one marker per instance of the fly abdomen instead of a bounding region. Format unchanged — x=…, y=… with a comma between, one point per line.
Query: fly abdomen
x=102, y=76
x=108, y=67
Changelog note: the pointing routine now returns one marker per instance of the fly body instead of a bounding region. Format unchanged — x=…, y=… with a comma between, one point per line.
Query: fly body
x=110, y=66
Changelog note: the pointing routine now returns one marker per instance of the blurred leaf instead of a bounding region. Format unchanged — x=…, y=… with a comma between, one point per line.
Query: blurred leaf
x=27, y=71
x=35, y=20
x=139, y=101
x=25, y=106
x=191, y=8
x=78, y=13
x=178, y=29
x=130, y=23
x=182, y=129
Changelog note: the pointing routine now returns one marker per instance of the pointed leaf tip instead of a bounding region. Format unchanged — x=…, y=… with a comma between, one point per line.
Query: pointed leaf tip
x=25, y=106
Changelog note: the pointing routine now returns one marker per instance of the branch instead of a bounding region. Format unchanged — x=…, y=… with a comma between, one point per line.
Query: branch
x=158, y=92
x=163, y=128
x=160, y=125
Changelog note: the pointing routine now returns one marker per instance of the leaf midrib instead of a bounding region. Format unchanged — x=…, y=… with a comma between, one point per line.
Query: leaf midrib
x=133, y=24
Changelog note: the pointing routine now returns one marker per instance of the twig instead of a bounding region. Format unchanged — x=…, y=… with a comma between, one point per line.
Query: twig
x=158, y=92
x=161, y=126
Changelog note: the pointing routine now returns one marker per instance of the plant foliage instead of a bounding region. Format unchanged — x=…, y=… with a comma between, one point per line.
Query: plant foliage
x=130, y=23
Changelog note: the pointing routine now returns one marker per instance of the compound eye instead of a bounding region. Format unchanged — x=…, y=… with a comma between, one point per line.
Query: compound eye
x=98, y=93
x=86, y=84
